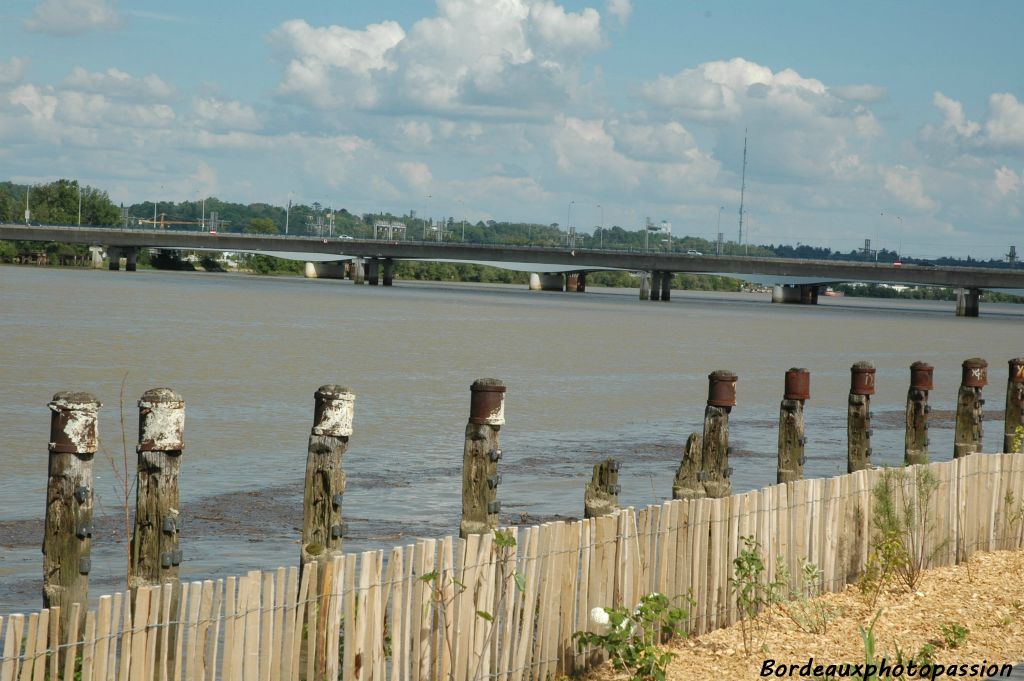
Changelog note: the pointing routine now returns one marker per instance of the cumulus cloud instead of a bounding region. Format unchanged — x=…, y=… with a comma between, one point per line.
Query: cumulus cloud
x=223, y=114
x=953, y=116
x=70, y=17
x=1005, y=124
x=40, y=103
x=116, y=83
x=620, y=9
x=13, y=71
x=474, y=56
x=861, y=93
x=905, y=185
x=416, y=175
x=1007, y=181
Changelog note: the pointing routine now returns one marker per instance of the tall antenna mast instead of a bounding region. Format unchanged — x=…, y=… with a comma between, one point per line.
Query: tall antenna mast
x=743, y=183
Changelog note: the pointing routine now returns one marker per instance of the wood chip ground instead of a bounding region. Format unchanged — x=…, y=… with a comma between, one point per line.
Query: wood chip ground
x=985, y=595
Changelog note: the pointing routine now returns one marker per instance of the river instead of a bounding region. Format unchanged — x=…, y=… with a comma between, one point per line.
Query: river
x=589, y=375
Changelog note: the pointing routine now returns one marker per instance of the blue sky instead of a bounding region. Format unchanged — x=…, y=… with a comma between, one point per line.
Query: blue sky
x=900, y=122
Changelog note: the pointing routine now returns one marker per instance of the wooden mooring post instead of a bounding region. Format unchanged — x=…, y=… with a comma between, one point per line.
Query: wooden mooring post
x=792, y=431
x=715, y=443
x=601, y=496
x=67, y=530
x=480, y=455
x=915, y=442
x=858, y=417
x=156, y=547
x=322, y=524
x=969, y=407
x=688, y=483
x=1014, y=403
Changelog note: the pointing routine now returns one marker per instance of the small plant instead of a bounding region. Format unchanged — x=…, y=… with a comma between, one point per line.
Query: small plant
x=903, y=526
x=810, y=614
x=868, y=637
x=1018, y=440
x=631, y=637
x=954, y=635
x=753, y=592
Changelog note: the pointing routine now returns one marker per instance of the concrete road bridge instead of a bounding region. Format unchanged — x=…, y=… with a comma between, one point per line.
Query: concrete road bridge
x=794, y=280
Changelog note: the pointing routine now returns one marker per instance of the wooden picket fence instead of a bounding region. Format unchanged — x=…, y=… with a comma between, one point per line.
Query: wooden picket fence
x=454, y=609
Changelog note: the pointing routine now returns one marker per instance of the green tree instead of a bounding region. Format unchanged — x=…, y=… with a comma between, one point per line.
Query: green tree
x=261, y=226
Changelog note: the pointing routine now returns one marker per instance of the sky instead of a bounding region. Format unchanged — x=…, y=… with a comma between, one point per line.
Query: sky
x=899, y=122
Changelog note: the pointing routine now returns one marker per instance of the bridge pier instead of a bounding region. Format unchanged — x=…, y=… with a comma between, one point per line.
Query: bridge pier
x=666, y=286
x=967, y=302
x=358, y=275
x=656, y=285
x=97, y=257
x=113, y=258
x=546, y=281
x=572, y=281
x=581, y=282
x=324, y=270
x=645, y=286
x=131, y=258
x=795, y=294
x=373, y=271
x=389, y=271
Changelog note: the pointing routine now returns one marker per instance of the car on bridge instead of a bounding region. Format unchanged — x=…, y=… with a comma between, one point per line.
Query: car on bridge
x=693, y=252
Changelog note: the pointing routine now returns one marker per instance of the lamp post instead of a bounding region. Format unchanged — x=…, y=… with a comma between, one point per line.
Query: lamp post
x=79, y=203
x=462, y=204
x=568, y=225
x=718, y=232
x=287, y=212
x=601, y=208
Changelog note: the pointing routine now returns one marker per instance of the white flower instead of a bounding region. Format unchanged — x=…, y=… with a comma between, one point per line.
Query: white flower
x=599, y=616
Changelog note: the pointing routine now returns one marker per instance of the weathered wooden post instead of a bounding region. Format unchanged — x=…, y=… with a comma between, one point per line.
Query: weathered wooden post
x=480, y=478
x=67, y=530
x=969, y=407
x=1014, y=403
x=915, y=443
x=715, y=444
x=858, y=418
x=322, y=526
x=155, y=547
x=792, y=432
x=689, y=480
x=602, y=494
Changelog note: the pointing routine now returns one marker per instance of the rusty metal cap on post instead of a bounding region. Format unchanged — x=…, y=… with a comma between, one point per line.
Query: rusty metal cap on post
x=161, y=421
x=921, y=376
x=798, y=384
x=722, y=388
x=487, y=402
x=333, y=409
x=862, y=378
x=975, y=373
x=1017, y=370
x=73, y=427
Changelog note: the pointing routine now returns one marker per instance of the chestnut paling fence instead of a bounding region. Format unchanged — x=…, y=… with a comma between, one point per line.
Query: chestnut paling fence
x=485, y=607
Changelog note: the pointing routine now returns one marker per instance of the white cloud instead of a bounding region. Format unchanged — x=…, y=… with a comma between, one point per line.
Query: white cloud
x=13, y=71
x=620, y=9
x=906, y=186
x=1005, y=124
x=222, y=114
x=953, y=116
x=476, y=57
x=116, y=83
x=416, y=175
x=1007, y=181
x=40, y=103
x=861, y=93
x=70, y=17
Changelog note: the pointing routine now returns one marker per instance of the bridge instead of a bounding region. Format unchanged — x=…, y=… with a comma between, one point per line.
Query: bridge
x=794, y=280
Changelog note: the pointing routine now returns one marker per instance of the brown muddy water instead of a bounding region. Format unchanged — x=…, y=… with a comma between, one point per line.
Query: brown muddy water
x=589, y=375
